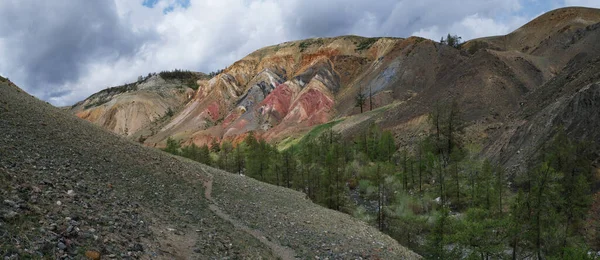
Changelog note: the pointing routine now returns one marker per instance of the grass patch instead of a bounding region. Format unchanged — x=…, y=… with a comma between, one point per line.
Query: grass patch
x=287, y=143
x=317, y=130
x=383, y=108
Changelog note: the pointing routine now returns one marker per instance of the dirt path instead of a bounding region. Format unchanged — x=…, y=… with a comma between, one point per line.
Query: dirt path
x=280, y=251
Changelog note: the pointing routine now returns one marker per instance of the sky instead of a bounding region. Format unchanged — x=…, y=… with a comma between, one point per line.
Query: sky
x=62, y=51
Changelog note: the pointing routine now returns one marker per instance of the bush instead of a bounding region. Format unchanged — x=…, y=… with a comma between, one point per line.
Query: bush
x=366, y=44
x=215, y=73
x=307, y=43
x=452, y=41
x=177, y=74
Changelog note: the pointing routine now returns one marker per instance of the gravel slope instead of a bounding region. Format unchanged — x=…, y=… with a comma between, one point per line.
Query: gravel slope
x=69, y=188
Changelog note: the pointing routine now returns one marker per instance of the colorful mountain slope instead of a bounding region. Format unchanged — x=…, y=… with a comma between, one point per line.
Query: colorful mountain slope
x=282, y=91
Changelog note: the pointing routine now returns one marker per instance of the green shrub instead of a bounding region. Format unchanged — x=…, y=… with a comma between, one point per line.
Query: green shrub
x=366, y=44
x=177, y=74
x=307, y=43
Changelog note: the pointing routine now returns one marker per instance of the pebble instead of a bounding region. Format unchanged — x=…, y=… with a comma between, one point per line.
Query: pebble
x=91, y=254
x=11, y=203
x=138, y=248
x=58, y=203
x=61, y=246
x=10, y=215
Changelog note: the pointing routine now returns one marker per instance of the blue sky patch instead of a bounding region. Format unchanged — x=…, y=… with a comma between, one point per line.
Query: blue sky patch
x=170, y=8
x=149, y=3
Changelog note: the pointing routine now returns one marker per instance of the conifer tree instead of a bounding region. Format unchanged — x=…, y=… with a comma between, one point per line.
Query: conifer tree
x=289, y=166
x=360, y=100
x=225, y=161
x=386, y=147
x=214, y=146
x=204, y=155
x=239, y=157
x=172, y=147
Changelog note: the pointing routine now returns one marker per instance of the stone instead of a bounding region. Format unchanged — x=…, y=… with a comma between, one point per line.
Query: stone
x=138, y=248
x=9, y=215
x=61, y=246
x=93, y=255
x=11, y=203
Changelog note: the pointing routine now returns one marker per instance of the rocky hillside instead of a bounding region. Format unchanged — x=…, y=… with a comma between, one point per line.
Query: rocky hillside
x=130, y=108
x=502, y=84
x=69, y=189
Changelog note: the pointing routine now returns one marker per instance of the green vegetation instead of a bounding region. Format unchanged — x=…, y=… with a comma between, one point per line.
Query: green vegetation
x=361, y=99
x=215, y=73
x=170, y=113
x=452, y=40
x=107, y=94
x=173, y=147
x=437, y=197
x=307, y=43
x=316, y=131
x=177, y=74
x=194, y=152
x=365, y=44
x=187, y=77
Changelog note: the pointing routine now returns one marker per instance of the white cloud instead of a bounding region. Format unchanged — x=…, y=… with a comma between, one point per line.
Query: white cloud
x=587, y=3
x=471, y=27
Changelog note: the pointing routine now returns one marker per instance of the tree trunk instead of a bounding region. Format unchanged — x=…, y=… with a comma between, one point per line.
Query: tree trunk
x=500, y=189
x=441, y=185
x=457, y=183
x=277, y=173
x=420, y=172
x=538, y=242
x=370, y=99
x=514, y=246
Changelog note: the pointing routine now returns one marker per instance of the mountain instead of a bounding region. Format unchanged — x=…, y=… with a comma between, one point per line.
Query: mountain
x=69, y=189
x=505, y=87
x=129, y=108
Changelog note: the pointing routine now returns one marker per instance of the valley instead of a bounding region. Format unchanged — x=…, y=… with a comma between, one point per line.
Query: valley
x=324, y=148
